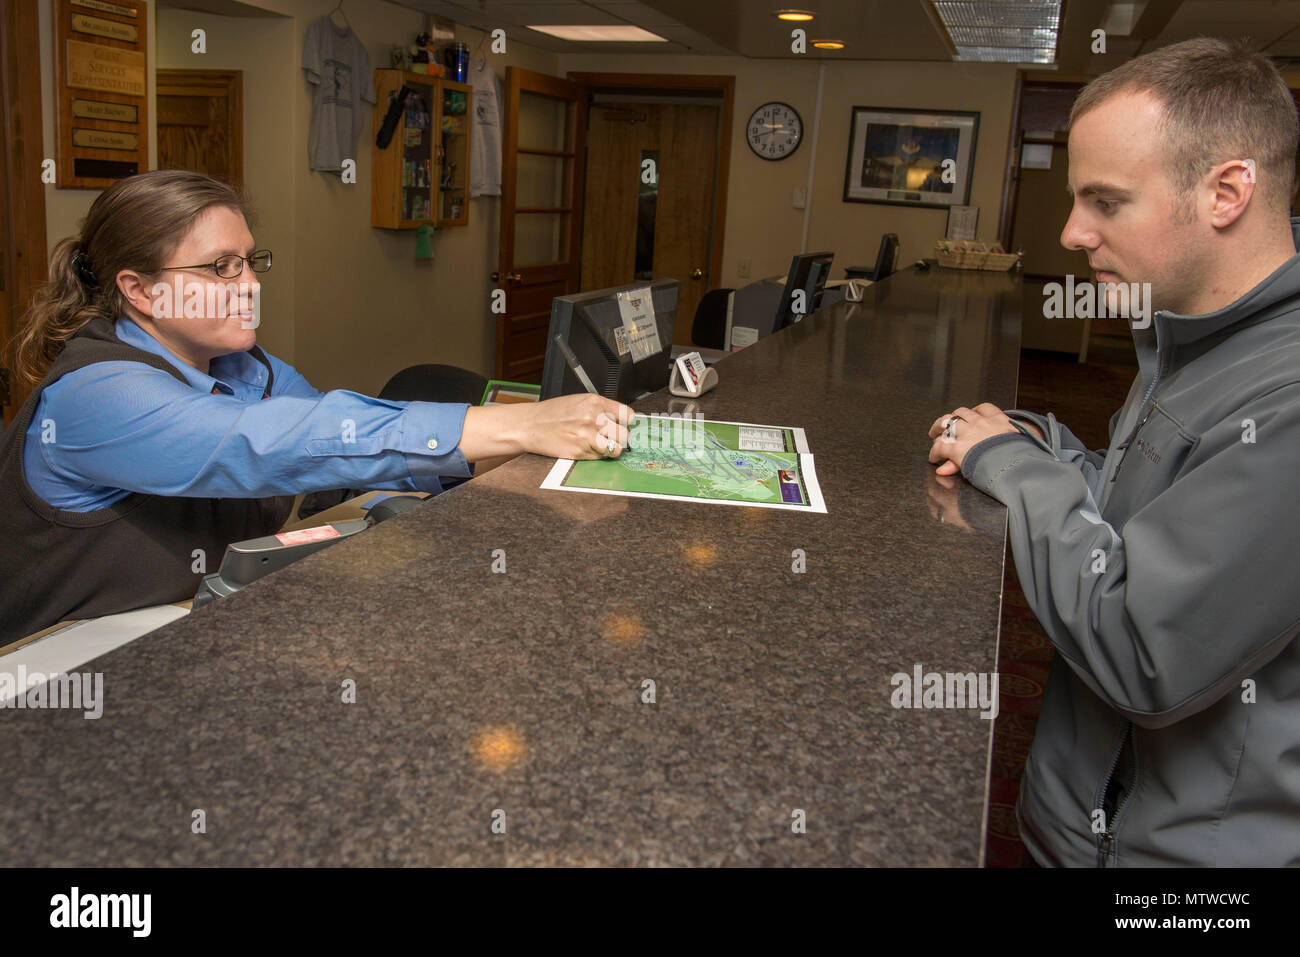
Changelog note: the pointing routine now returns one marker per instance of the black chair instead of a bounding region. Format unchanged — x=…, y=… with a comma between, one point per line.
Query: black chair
x=430, y=382
x=709, y=328
x=433, y=382
x=886, y=259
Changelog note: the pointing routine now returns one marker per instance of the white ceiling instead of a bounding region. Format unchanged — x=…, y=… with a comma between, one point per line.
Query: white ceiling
x=222, y=8
x=872, y=29
x=514, y=16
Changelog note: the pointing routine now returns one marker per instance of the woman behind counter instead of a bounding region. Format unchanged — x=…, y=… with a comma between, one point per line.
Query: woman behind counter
x=153, y=437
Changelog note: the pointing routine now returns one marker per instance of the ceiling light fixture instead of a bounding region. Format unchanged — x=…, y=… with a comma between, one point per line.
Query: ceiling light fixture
x=599, y=34
x=1001, y=31
x=797, y=15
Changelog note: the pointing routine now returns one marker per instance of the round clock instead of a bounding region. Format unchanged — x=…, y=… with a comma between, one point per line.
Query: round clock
x=774, y=131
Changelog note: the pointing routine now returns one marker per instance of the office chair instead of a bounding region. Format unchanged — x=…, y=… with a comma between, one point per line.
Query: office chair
x=886, y=260
x=709, y=328
x=431, y=382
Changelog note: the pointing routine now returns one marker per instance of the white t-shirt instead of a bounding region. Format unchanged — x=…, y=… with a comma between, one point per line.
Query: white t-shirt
x=485, y=138
x=338, y=66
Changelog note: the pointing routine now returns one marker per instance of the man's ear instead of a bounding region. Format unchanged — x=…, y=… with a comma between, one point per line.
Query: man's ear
x=1234, y=185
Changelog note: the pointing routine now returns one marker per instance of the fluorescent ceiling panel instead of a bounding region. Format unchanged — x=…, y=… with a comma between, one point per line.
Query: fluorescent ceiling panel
x=1004, y=55
x=1000, y=37
x=617, y=34
x=1002, y=31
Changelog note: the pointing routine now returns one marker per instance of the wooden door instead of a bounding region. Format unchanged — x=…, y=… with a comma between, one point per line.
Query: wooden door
x=201, y=122
x=669, y=219
x=541, y=179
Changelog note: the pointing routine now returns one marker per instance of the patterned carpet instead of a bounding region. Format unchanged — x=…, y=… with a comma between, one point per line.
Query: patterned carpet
x=1083, y=396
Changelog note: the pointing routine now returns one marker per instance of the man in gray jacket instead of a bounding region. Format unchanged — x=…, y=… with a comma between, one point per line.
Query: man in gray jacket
x=1164, y=569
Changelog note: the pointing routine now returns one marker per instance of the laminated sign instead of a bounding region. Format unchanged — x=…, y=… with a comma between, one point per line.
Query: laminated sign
x=638, y=313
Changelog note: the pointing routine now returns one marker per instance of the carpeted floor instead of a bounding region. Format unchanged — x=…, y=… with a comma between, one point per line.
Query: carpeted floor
x=1083, y=396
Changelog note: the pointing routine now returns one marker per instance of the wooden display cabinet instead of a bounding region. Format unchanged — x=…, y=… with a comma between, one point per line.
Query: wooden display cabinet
x=455, y=109
x=422, y=177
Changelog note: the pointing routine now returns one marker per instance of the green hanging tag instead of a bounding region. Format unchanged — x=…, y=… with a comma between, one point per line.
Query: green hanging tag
x=424, y=242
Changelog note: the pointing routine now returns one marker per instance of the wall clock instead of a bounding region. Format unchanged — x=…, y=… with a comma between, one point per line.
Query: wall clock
x=774, y=131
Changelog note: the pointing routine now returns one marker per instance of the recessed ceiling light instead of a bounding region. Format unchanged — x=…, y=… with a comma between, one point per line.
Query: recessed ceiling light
x=617, y=34
x=828, y=44
x=799, y=15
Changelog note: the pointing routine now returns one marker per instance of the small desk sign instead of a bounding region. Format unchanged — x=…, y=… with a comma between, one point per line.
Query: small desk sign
x=962, y=221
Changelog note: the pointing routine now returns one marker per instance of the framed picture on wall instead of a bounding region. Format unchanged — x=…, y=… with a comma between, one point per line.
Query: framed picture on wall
x=910, y=157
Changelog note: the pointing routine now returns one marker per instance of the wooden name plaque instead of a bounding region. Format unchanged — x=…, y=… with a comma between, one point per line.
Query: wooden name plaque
x=101, y=70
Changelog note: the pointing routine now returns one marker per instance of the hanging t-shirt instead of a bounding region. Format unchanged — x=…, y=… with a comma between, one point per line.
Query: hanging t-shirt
x=485, y=141
x=335, y=61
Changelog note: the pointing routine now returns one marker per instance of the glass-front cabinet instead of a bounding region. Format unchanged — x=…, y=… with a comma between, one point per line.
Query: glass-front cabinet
x=421, y=176
x=454, y=112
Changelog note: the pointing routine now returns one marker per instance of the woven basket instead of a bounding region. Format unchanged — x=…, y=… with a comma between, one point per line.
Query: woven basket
x=970, y=254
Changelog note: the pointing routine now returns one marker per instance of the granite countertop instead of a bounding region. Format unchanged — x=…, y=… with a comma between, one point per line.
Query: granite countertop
x=518, y=696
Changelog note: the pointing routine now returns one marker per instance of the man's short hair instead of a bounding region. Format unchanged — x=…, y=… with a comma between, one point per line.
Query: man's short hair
x=1222, y=101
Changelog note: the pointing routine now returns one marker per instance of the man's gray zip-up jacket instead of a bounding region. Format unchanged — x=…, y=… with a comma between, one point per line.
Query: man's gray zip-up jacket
x=1166, y=572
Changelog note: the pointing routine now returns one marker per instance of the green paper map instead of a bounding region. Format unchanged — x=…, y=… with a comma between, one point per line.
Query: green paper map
x=725, y=463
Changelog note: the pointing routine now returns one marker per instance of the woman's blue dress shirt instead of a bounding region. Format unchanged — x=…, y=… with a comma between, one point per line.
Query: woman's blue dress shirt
x=113, y=428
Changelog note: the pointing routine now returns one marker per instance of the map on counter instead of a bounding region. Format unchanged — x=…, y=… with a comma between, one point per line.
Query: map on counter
x=724, y=463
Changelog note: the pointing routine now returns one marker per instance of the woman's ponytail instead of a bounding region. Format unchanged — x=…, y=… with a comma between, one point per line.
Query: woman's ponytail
x=59, y=309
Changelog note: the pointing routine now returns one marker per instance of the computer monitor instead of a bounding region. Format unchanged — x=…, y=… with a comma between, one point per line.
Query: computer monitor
x=590, y=325
x=803, y=288
x=886, y=257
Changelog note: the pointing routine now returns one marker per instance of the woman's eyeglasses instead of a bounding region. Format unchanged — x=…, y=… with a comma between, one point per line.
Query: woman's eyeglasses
x=232, y=267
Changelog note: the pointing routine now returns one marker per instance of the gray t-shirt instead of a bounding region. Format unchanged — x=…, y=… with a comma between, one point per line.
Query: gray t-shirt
x=485, y=142
x=338, y=66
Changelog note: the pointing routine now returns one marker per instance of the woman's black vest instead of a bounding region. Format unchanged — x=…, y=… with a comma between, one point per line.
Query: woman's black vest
x=143, y=550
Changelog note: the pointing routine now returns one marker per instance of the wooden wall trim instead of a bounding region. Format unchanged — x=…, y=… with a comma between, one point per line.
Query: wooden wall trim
x=24, y=193
x=1010, y=181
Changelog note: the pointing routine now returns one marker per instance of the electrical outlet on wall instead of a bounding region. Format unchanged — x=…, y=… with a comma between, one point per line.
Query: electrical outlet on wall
x=743, y=269
x=800, y=197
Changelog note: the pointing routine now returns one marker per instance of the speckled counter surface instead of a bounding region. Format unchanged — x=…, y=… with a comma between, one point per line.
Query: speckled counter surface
x=517, y=697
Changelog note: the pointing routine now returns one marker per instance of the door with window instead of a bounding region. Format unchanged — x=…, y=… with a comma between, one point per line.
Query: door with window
x=651, y=168
x=541, y=186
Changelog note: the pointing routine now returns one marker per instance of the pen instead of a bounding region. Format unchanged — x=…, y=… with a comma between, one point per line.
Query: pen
x=572, y=360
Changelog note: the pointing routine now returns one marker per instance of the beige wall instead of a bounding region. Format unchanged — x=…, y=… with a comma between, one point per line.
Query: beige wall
x=349, y=305
x=762, y=224
x=263, y=49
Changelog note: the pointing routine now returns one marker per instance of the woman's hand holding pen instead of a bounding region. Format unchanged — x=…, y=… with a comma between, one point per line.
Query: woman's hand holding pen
x=581, y=426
